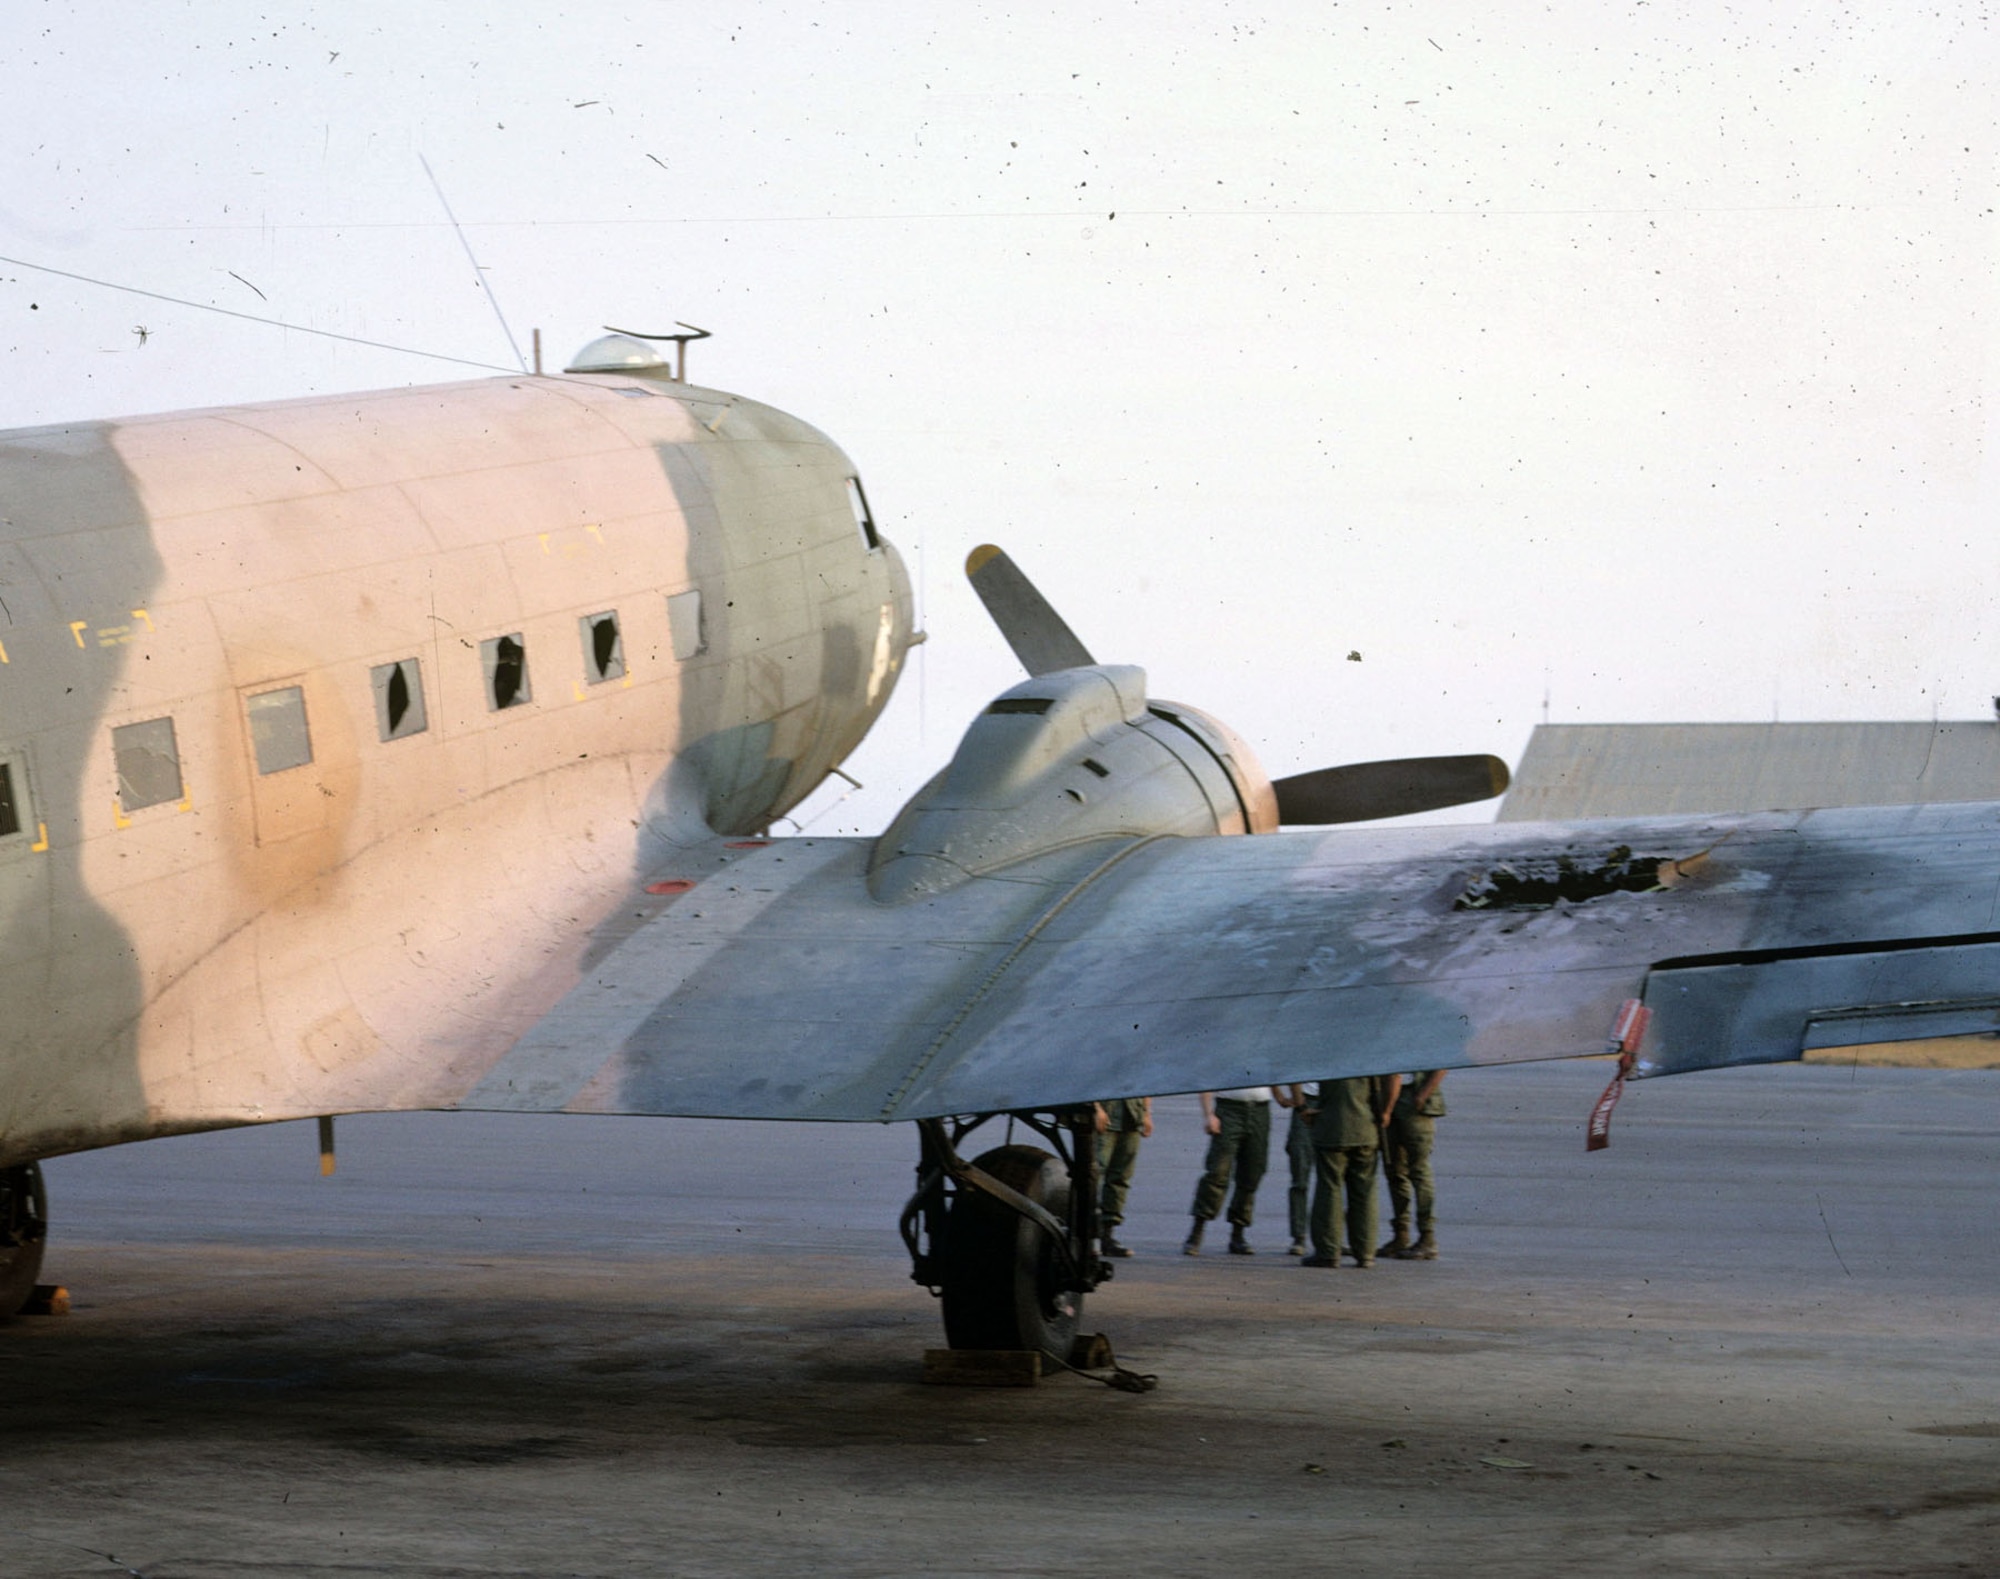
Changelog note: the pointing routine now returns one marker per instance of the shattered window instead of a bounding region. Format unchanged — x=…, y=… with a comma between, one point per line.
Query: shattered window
x=684, y=614
x=278, y=732
x=506, y=662
x=603, y=648
x=148, y=760
x=10, y=811
x=399, y=699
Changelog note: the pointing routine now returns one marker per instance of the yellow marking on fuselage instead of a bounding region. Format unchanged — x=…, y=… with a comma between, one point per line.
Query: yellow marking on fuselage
x=118, y=817
x=111, y=635
x=568, y=550
x=3, y=652
x=41, y=844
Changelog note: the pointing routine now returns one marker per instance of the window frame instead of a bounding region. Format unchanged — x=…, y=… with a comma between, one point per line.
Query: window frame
x=490, y=657
x=178, y=798
x=380, y=677
x=617, y=669
x=260, y=738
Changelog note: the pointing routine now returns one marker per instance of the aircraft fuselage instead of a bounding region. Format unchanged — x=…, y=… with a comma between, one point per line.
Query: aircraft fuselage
x=335, y=734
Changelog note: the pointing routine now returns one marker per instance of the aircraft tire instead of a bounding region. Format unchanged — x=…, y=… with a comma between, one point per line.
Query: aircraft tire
x=999, y=1289
x=24, y=1228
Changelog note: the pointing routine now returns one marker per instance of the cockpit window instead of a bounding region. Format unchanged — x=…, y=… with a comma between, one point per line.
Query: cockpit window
x=862, y=518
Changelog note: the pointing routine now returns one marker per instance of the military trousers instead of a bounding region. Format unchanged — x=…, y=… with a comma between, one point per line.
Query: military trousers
x=1117, y=1157
x=1240, y=1149
x=1345, y=1171
x=1406, y=1162
x=1303, y=1155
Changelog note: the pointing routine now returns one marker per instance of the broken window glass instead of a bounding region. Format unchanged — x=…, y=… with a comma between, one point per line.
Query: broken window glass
x=10, y=813
x=399, y=699
x=684, y=614
x=148, y=760
x=603, y=648
x=506, y=662
x=278, y=731
x=858, y=501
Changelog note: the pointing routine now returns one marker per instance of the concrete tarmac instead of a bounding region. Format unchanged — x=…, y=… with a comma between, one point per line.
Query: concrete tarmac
x=1756, y=1336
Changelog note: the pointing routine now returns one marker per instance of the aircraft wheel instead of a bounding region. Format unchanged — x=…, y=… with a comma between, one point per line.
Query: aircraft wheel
x=1000, y=1270
x=24, y=1229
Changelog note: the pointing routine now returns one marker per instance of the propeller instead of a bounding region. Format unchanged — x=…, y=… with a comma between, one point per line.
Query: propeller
x=1358, y=792
x=1364, y=790
x=1033, y=629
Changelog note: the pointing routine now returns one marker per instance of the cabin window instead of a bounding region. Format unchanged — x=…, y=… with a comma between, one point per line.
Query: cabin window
x=278, y=733
x=10, y=808
x=148, y=760
x=603, y=648
x=506, y=662
x=684, y=615
x=399, y=699
x=858, y=501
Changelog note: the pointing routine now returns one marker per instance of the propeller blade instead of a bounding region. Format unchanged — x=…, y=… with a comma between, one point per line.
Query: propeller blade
x=1365, y=790
x=1035, y=631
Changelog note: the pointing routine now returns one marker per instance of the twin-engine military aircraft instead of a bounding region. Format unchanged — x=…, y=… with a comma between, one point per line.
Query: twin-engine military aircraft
x=418, y=750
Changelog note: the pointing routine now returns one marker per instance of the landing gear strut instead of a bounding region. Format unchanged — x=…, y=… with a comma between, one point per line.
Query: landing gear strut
x=1008, y=1240
x=24, y=1229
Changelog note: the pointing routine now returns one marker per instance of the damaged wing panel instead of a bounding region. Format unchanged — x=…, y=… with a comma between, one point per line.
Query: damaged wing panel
x=1184, y=964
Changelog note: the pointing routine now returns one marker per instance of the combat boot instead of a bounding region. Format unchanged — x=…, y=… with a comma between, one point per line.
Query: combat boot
x=1397, y=1246
x=1239, y=1245
x=1425, y=1249
x=1111, y=1247
x=1191, y=1246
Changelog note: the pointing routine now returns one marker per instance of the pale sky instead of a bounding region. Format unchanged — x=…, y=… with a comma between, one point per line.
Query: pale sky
x=1636, y=362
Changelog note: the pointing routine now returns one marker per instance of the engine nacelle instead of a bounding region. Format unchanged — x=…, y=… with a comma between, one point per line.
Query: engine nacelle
x=1063, y=758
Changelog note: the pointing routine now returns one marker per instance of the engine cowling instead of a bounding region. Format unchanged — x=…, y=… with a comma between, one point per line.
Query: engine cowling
x=1064, y=758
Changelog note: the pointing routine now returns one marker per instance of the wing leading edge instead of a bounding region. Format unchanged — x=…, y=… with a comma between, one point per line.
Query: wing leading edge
x=780, y=989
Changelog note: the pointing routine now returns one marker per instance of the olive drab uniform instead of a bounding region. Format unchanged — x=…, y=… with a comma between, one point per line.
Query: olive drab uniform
x=1347, y=1134
x=1406, y=1164
x=1240, y=1146
x=1125, y=1121
x=1304, y=1160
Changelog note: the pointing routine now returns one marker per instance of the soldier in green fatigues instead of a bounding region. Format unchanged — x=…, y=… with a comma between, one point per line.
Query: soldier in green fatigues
x=1406, y=1163
x=1347, y=1134
x=1121, y=1124
x=1300, y=1153
x=1239, y=1129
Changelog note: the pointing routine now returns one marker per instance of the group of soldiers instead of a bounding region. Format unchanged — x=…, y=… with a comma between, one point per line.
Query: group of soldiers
x=1339, y=1129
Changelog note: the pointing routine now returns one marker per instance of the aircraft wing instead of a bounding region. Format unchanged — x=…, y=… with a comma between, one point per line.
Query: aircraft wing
x=779, y=988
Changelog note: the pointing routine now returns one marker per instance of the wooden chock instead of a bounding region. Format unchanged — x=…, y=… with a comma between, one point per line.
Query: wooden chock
x=982, y=1367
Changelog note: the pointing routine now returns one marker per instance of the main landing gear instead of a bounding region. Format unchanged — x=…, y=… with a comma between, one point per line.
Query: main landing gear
x=1009, y=1239
x=24, y=1229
